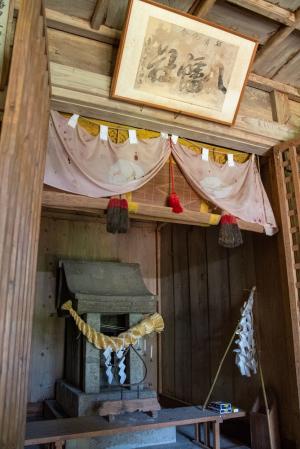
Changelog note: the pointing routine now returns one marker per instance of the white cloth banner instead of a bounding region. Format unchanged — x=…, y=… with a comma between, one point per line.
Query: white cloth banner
x=80, y=163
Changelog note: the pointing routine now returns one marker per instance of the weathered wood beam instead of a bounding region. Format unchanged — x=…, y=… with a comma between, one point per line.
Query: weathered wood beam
x=280, y=107
x=87, y=93
x=99, y=14
x=267, y=9
x=202, y=7
x=81, y=27
x=269, y=85
x=68, y=201
x=263, y=57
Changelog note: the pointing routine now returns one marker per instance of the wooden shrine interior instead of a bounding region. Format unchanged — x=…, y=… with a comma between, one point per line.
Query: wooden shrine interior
x=200, y=285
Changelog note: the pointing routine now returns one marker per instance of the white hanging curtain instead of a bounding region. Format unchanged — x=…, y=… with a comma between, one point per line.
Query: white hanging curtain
x=80, y=163
x=236, y=189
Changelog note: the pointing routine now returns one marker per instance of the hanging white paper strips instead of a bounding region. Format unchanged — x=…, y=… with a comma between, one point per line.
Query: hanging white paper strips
x=107, y=356
x=122, y=367
x=73, y=121
x=246, y=352
x=103, y=135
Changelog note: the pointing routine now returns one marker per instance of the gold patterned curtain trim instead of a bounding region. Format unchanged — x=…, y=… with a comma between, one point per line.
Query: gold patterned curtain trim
x=119, y=134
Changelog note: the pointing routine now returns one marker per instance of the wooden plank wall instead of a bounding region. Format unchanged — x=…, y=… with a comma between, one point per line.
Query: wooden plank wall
x=80, y=237
x=202, y=289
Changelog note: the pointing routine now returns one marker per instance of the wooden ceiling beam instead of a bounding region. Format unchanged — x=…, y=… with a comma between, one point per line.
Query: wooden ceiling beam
x=268, y=10
x=269, y=85
x=86, y=93
x=79, y=203
x=263, y=57
x=201, y=8
x=81, y=27
x=99, y=15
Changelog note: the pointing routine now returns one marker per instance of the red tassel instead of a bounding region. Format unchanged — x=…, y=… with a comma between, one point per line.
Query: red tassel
x=173, y=200
x=228, y=219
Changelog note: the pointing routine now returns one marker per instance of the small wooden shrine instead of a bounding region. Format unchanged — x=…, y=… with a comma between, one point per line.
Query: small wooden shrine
x=150, y=224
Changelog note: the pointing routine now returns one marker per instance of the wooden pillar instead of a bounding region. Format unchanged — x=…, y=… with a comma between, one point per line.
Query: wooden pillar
x=284, y=173
x=22, y=158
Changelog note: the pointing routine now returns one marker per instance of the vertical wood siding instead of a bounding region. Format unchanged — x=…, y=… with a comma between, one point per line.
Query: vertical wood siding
x=22, y=158
x=203, y=287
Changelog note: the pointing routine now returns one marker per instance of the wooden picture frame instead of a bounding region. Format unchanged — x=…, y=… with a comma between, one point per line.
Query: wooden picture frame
x=171, y=60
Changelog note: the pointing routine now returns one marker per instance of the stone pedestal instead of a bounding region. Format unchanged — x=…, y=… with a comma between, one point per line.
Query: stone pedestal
x=77, y=403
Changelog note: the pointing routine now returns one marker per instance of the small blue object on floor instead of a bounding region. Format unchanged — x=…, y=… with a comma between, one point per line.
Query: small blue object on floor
x=220, y=407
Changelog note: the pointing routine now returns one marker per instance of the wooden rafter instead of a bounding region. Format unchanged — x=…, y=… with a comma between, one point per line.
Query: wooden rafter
x=290, y=70
x=99, y=14
x=201, y=8
x=268, y=85
x=81, y=27
x=267, y=9
x=269, y=49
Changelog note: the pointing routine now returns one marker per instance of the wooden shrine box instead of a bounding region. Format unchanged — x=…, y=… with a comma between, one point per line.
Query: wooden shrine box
x=110, y=297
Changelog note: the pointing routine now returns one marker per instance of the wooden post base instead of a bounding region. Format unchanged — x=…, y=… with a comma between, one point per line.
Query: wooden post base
x=206, y=444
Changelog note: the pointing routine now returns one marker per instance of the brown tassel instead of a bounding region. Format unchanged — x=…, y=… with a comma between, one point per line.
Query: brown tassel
x=124, y=217
x=230, y=235
x=113, y=215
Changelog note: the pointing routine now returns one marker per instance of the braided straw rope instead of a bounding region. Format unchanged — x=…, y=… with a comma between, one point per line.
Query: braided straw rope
x=153, y=323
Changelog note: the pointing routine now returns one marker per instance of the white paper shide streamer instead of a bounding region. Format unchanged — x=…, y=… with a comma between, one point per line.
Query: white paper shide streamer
x=246, y=352
x=108, y=371
x=122, y=367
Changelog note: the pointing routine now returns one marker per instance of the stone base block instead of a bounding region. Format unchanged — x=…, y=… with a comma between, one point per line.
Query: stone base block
x=77, y=403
